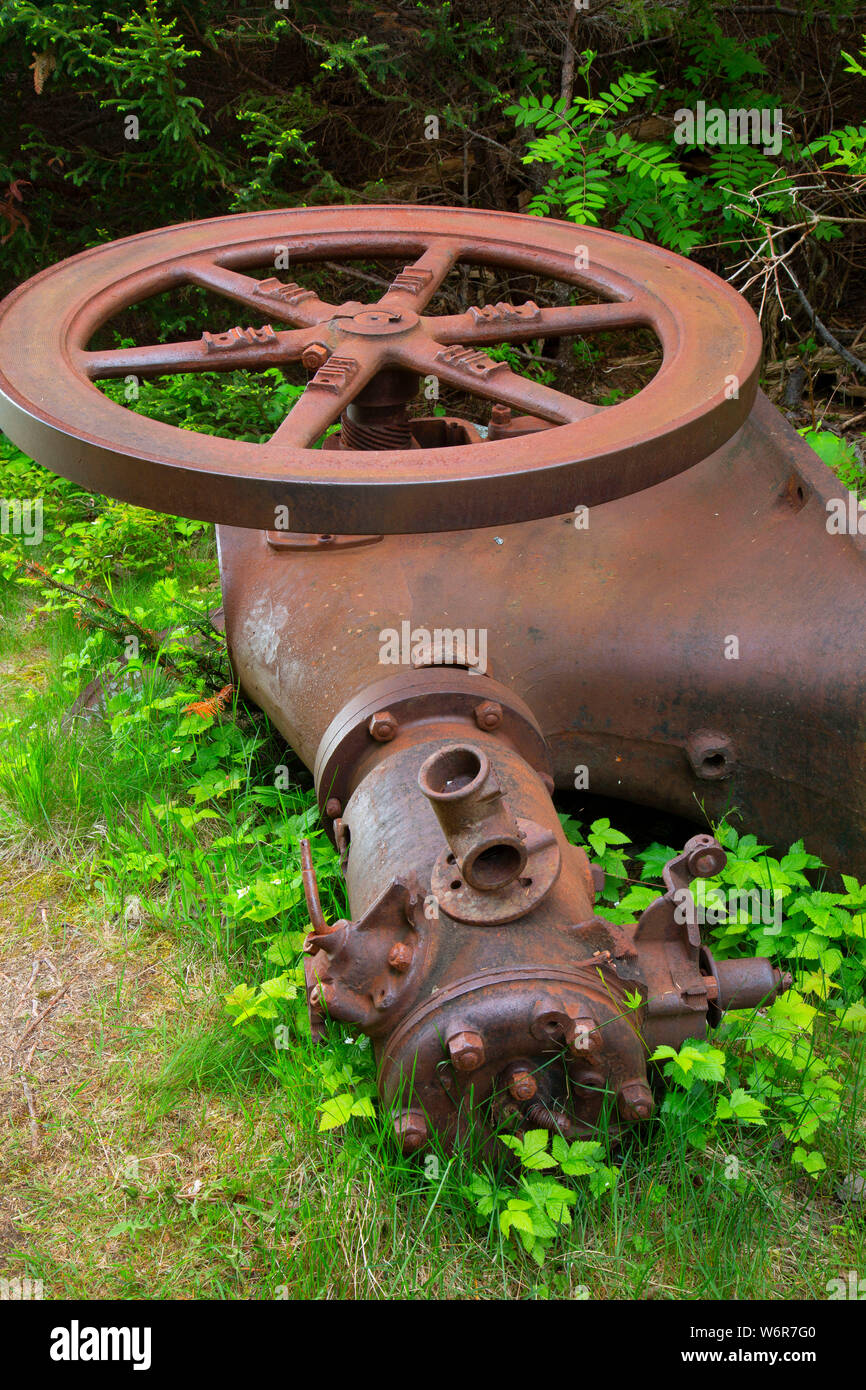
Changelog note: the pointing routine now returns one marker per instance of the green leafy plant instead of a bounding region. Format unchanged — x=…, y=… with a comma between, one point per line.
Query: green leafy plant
x=538, y=1212
x=247, y=1004
x=350, y=1094
x=602, y=842
x=596, y=165
x=846, y=146
x=839, y=455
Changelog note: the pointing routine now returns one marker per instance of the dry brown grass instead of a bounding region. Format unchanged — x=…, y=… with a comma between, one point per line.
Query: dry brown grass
x=89, y=1010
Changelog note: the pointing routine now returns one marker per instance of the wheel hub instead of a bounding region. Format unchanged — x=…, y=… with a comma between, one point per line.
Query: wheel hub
x=374, y=323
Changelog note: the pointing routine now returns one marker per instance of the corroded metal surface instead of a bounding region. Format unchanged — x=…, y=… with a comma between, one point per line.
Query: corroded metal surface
x=539, y=1016
x=615, y=637
x=50, y=407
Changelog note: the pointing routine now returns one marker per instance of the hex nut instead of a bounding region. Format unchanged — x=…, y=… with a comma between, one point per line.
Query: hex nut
x=383, y=726
x=488, y=715
x=400, y=956
x=314, y=356
x=410, y=1130
x=637, y=1100
x=522, y=1085
x=333, y=808
x=466, y=1050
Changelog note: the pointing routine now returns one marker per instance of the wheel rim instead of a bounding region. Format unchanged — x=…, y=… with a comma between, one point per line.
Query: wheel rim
x=51, y=407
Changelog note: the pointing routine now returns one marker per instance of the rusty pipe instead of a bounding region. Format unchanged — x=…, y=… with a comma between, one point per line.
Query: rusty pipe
x=741, y=984
x=489, y=849
x=311, y=889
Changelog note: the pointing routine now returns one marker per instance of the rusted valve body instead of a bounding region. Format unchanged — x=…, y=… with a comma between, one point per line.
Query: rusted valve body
x=694, y=642
x=510, y=998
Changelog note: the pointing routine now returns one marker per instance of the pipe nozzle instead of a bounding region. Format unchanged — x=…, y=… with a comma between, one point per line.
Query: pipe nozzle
x=476, y=820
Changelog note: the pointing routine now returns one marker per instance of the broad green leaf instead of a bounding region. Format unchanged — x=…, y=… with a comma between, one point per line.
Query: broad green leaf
x=854, y=1017
x=336, y=1111
x=810, y=1160
x=741, y=1106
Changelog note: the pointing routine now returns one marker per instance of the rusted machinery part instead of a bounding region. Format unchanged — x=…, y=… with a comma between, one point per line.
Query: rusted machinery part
x=740, y=984
x=512, y=1015
x=311, y=889
x=616, y=636
x=403, y=706
x=390, y=826
x=699, y=398
x=474, y=958
x=487, y=848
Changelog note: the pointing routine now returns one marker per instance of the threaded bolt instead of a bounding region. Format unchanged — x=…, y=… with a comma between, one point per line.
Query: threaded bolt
x=383, y=726
x=488, y=715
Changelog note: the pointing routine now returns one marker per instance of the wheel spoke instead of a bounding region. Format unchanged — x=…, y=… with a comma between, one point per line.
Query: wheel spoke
x=253, y=348
x=280, y=299
x=326, y=396
x=417, y=283
x=475, y=372
x=516, y=323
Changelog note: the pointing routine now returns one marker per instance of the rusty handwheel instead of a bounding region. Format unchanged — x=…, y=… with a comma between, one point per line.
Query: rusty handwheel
x=51, y=407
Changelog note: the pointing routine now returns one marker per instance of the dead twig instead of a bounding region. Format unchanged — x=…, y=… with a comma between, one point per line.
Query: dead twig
x=34, y=1123
x=27, y=988
x=821, y=328
x=44, y=1014
x=357, y=274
